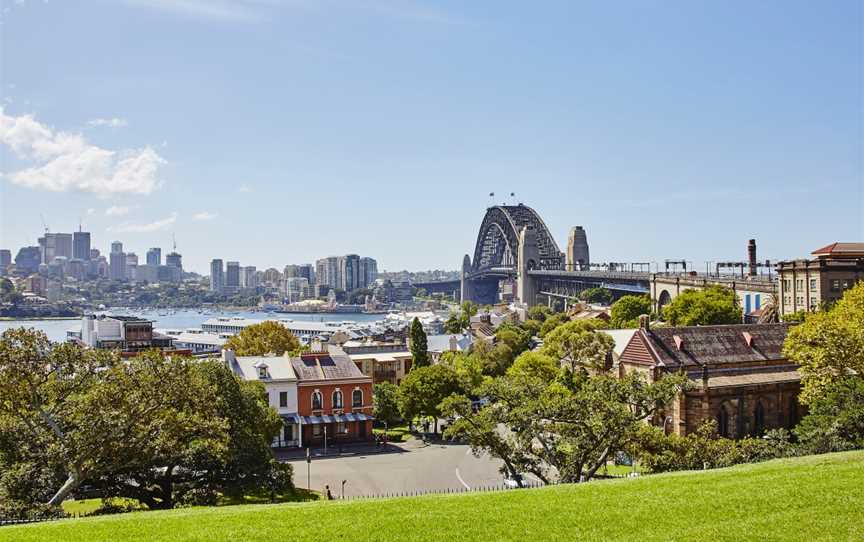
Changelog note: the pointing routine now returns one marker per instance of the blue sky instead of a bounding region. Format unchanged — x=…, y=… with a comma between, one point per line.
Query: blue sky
x=275, y=132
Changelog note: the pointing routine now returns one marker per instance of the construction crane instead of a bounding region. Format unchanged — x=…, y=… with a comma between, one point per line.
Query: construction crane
x=44, y=224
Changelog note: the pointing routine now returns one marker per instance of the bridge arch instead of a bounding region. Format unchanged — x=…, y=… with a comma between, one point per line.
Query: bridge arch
x=663, y=299
x=498, y=239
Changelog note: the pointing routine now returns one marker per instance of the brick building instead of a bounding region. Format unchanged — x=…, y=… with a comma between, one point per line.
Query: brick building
x=809, y=284
x=738, y=376
x=334, y=398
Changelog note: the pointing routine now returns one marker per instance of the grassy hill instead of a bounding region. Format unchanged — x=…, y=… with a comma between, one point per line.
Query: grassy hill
x=811, y=498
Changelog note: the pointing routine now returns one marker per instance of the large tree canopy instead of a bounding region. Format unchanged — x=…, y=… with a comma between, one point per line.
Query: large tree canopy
x=577, y=344
x=829, y=345
x=152, y=427
x=423, y=389
x=627, y=310
x=711, y=306
x=268, y=337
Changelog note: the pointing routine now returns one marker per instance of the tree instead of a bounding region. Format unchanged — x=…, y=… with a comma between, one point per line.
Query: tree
x=552, y=322
x=578, y=345
x=829, y=345
x=386, y=402
x=268, y=337
x=713, y=305
x=419, y=345
x=534, y=365
x=596, y=295
x=423, y=389
x=571, y=425
x=513, y=336
x=458, y=322
x=835, y=421
x=539, y=313
x=627, y=310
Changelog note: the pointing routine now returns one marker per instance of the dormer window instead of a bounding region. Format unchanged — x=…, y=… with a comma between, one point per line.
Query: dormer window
x=261, y=367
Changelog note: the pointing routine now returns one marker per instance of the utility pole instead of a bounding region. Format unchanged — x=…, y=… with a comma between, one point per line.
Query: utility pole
x=308, y=469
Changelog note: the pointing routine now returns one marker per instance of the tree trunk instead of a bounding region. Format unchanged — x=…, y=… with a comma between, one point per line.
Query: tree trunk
x=71, y=484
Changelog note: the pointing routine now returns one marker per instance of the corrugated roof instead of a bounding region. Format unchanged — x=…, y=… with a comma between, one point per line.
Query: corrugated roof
x=840, y=249
x=707, y=345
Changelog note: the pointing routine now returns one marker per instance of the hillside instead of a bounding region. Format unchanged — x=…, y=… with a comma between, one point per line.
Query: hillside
x=811, y=498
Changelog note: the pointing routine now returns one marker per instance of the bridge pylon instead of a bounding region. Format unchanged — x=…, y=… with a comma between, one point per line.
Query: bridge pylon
x=529, y=257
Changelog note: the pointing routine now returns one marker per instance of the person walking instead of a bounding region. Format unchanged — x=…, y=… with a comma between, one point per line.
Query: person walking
x=328, y=494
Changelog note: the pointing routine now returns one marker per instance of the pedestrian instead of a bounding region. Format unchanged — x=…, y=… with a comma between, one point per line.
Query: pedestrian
x=329, y=495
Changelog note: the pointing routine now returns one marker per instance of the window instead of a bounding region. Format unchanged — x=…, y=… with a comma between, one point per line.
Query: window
x=316, y=430
x=357, y=398
x=812, y=285
x=787, y=285
x=341, y=429
x=799, y=284
x=316, y=401
x=262, y=372
x=835, y=285
x=283, y=399
x=337, y=399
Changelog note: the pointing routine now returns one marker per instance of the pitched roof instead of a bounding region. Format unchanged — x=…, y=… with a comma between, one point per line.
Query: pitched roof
x=706, y=345
x=334, y=364
x=840, y=249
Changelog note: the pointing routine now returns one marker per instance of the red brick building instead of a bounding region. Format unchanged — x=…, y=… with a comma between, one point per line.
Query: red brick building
x=738, y=375
x=334, y=398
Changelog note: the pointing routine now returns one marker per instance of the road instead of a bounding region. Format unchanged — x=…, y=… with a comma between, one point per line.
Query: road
x=418, y=467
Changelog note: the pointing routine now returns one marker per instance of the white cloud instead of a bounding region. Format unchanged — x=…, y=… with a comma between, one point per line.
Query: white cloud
x=91, y=211
x=117, y=210
x=204, y=215
x=145, y=228
x=113, y=122
x=244, y=188
x=65, y=162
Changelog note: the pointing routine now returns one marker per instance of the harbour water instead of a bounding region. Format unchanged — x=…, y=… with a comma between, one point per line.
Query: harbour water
x=183, y=319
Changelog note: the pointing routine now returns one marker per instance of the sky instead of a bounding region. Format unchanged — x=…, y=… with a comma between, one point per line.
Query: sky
x=281, y=131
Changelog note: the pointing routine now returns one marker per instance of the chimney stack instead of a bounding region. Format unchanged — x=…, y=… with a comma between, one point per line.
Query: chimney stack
x=644, y=322
x=751, y=255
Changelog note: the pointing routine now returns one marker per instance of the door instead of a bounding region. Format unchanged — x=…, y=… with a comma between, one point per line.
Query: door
x=361, y=430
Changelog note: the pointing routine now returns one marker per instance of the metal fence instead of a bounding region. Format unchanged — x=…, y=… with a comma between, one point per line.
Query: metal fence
x=447, y=491
x=35, y=518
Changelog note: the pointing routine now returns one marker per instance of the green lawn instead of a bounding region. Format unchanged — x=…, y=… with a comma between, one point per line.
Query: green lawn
x=812, y=498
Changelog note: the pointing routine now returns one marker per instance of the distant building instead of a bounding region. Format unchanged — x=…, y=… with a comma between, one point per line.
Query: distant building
x=349, y=272
x=217, y=275
x=5, y=261
x=116, y=246
x=94, y=253
x=232, y=277
x=154, y=256
x=577, y=250
x=27, y=260
x=55, y=245
x=328, y=273
x=248, y=277
x=272, y=278
x=128, y=334
x=131, y=265
x=296, y=289
x=808, y=284
x=173, y=259
x=368, y=272
x=117, y=265
x=81, y=245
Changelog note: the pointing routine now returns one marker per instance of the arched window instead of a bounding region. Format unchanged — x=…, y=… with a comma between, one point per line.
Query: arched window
x=759, y=419
x=337, y=399
x=357, y=398
x=317, y=400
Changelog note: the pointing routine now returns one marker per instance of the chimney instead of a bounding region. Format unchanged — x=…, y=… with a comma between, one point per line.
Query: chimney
x=453, y=343
x=644, y=322
x=751, y=256
x=228, y=357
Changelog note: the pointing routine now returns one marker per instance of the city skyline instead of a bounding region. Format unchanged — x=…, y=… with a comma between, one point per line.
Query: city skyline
x=355, y=119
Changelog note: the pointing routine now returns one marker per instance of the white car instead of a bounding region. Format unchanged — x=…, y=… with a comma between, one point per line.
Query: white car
x=512, y=482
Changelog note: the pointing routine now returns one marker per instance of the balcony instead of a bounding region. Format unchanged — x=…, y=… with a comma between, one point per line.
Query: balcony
x=384, y=374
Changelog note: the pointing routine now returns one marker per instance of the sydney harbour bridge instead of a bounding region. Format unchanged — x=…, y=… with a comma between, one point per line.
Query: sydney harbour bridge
x=516, y=257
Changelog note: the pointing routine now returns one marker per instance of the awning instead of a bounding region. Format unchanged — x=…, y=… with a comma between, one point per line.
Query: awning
x=290, y=418
x=340, y=418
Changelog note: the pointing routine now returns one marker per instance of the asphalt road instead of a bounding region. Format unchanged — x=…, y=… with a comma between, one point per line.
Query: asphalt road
x=417, y=467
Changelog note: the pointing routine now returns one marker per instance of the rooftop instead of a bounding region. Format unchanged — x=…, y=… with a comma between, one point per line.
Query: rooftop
x=334, y=364
x=842, y=250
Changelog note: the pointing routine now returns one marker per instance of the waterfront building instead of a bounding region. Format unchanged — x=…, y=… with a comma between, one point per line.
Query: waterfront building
x=296, y=289
x=27, y=260
x=129, y=334
x=738, y=376
x=368, y=272
x=302, y=329
x=248, y=277
x=809, y=284
x=81, y=245
x=232, y=277
x=217, y=275
x=154, y=256
x=349, y=272
x=328, y=272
